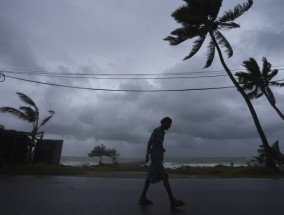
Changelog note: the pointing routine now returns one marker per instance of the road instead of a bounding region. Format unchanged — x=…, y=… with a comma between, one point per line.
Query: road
x=22, y=195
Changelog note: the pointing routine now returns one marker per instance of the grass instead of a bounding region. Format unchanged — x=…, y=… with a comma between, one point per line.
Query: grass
x=136, y=171
x=230, y=172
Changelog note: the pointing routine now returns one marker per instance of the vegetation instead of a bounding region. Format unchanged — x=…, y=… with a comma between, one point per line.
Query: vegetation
x=257, y=82
x=138, y=171
x=29, y=113
x=277, y=156
x=198, y=19
x=100, y=151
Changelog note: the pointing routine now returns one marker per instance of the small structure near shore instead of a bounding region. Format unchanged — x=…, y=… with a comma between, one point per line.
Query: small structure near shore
x=14, y=147
x=48, y=151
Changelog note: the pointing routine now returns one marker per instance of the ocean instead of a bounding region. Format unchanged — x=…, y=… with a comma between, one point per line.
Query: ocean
x=171, y=163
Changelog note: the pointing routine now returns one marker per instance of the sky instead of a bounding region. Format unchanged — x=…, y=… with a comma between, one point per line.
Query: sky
x=106, y=37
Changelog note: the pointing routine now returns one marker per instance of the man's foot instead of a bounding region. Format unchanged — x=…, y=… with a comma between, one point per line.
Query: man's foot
x=145, y=201
x=177, y=203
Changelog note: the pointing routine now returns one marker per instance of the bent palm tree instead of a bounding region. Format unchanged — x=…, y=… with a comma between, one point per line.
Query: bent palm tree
x=199, y=19
x=257, y=82
x=28, y=113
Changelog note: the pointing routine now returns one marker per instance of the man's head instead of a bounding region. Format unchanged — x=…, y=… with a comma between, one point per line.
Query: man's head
x=166, y=123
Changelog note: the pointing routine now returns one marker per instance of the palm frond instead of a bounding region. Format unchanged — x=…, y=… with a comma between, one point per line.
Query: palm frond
x=190, y=15
x=224, y=43
x=276, y=84
x=51, y=112
x=182, y=34
x=197, y=45
x=27, y=100
x=231, y=15
x=266, y=67
x=247, y=86
x=259, y=94
x=174, y=40
x=19, y=114
x=246, y=80
x=248, y=83
x=227, y=25
x=196, y=12
x=29, y=112
x=214, y=8
x=272, y=74
x=243, y=75
x=270, y=95
x=45, y=120
x=254, y=94
x=252, y=67
x=210, y=54
x=267, y=73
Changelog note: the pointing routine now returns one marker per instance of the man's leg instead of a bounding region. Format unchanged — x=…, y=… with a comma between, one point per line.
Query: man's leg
x=174, y=202
x=146, y=187
x=143, y=199
x=168, y=188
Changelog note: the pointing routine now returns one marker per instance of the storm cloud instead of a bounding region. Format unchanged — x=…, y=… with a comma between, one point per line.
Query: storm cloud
x=126, y=37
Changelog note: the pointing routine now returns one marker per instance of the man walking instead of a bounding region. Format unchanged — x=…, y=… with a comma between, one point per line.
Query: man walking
x=157, y=172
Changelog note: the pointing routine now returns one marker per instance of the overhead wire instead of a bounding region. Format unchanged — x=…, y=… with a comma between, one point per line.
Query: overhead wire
x=129, y=78
x=124, y=90
x=38, y=72
x=44, y=73
x=70, y=75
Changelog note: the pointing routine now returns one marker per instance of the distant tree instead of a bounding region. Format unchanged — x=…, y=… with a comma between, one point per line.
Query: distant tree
x=113, y=155
x=101, y=150
x=29, y=113
x=257, y=82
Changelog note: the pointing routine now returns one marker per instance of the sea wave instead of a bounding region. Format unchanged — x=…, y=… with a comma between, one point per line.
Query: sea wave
x=171, y=163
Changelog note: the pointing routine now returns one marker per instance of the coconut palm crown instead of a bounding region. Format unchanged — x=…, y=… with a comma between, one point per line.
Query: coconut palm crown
x=256, y=82
x=28, y=113
x=199, y=18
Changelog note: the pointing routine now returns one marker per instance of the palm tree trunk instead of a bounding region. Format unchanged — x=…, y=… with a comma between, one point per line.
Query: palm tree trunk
x=269, y=162
x=278, y=111
x=274, y=106
x=32, y=146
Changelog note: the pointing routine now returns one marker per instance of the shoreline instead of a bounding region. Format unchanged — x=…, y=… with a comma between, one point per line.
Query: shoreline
x=170, y=162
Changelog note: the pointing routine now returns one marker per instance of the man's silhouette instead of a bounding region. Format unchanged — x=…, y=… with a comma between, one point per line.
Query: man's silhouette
x=157, y=172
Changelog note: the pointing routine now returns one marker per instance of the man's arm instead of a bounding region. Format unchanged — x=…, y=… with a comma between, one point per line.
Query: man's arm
x=149, y=146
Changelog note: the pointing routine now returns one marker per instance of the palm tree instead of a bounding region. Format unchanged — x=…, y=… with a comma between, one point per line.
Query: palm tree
x=29, y=113
x=198, y=18
x=257, y=82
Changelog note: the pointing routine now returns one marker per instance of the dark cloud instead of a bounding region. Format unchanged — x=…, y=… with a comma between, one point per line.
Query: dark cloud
x=117, y=37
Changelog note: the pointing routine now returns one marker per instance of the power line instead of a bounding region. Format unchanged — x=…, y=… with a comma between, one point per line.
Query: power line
x=88, y=75
x=71, y=76
x=35, y=72
x=2, y=75
x=133, y=78
x=113, y=90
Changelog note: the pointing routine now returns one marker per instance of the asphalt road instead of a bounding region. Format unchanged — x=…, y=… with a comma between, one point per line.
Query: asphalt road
x=99, y=196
